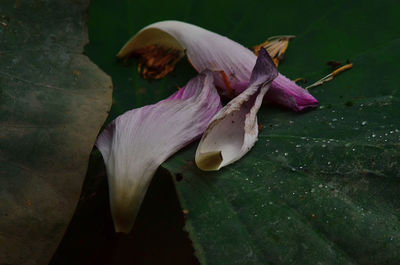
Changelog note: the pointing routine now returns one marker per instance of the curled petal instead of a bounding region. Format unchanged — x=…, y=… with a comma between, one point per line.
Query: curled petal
x=161, y=45
x=287, y=93
x=204, y=49
x=234, y=130
x=137, y=142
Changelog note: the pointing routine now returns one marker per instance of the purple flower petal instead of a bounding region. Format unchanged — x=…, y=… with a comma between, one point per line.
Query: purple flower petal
x=230, y=61
x=285, y=92
x=233, y=131
x=137, y=142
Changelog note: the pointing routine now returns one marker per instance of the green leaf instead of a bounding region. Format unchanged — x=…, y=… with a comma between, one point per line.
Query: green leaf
x=53, y=103
x=320, y=187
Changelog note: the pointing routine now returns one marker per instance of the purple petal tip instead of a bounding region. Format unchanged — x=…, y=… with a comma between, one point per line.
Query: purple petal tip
x=284, y=91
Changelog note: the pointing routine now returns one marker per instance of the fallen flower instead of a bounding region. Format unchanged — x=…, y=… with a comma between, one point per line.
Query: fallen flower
x=161, y=45
x=234, y=129
x=137, y=142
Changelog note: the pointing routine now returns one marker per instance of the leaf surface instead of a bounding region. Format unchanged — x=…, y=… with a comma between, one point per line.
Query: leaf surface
x=53, y=103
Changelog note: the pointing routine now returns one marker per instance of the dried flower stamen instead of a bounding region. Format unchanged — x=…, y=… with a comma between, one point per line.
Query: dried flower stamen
x=156, y=62
x=331, y=75
x=276, y=47
x=300, y=79
x=227, y=84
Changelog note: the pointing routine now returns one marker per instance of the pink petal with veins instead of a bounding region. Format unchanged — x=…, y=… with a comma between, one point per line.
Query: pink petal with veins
x=136, y=143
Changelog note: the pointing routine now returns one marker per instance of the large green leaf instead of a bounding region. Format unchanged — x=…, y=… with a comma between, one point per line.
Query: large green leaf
x=321, y=187
x=53, y=103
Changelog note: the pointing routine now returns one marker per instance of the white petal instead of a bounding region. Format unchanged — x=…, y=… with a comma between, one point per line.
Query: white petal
x=137, y=142
x=205, y=49
x=233, y=131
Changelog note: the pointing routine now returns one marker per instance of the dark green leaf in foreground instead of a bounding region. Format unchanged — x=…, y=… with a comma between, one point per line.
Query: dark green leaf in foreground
x=321, y=187
x=53, y=102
